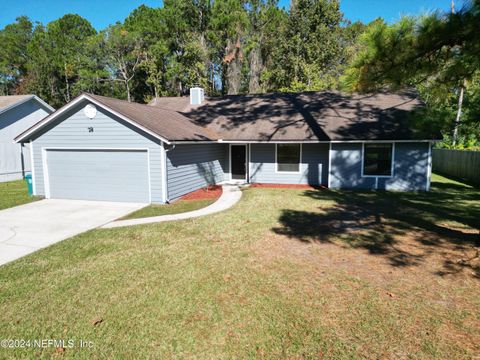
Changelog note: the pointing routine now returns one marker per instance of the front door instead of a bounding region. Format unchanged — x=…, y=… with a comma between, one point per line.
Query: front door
x=239, y=162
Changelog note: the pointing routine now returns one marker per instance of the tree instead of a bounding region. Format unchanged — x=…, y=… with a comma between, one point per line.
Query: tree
x=187, y=25
x=155, y=66
x=228, y=28
x=265, y=20
x=349, y=43
x=439, y=54
x=149, y=24
x=123, y=54
x=93, y=74
x=67, y=36
x=246, y=46
x=41, y=77
x=307, y=55
x=13, y=57
x=56, y=56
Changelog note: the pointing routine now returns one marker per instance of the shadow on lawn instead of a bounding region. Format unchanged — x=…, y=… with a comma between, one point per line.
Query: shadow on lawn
x=403, y=227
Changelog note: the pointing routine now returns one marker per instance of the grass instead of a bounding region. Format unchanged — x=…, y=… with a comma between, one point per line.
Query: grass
x=283, y=274
x=14, y=193
x=174, y=208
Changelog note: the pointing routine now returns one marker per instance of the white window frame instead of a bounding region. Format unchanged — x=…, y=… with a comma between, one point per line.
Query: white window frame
x=163, y=162
x=392, y=166
x=249, y=170
x=329, y=164
x=299, y=163
x=429, y=167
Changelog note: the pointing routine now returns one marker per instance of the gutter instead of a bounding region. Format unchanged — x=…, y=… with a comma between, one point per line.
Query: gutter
x=221, y=141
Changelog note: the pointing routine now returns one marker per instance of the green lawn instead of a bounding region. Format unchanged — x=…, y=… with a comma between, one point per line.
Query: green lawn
x=14, y=193
x=174, y=208
x=283, y=274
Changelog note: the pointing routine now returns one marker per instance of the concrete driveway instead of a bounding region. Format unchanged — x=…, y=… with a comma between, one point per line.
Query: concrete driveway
x=27, y=228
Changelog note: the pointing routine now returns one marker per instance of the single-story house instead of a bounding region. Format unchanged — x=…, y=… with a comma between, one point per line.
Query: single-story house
x=17, y=114
x=99, y=148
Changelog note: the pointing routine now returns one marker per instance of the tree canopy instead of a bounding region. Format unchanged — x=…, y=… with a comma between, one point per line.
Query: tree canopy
x=252, y=46
x=226, y=46
x=438, y=55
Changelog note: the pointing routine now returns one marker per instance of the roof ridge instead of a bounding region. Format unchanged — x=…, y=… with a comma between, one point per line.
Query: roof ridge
x=132, y=102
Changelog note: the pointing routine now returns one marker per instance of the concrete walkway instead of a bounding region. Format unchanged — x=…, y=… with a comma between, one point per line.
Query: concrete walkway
x=230, y=196
x=27, y=228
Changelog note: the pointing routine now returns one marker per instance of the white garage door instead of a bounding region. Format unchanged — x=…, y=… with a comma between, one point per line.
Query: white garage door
x=105, y=175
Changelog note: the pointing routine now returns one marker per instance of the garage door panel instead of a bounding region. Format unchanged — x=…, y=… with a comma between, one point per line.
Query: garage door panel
x=106, y=175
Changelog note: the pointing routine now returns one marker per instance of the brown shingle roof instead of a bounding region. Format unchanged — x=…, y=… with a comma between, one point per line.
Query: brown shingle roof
x=307, y=116
x=303, y=116
x=169, y=124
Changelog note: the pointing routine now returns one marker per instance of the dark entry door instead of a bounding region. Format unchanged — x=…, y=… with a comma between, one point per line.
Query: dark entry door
x=239, y=162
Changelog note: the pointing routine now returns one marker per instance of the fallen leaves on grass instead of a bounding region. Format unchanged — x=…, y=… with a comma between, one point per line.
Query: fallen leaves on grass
x=97, y=321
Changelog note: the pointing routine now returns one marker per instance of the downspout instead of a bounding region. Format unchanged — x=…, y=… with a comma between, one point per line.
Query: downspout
x=167, y=200
x=22, y=159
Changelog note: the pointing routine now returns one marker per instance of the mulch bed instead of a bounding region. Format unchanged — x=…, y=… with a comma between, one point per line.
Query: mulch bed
x=210, y=192
x=288, y=186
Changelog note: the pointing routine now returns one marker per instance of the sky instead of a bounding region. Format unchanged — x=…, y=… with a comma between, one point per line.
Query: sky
x=101, y=13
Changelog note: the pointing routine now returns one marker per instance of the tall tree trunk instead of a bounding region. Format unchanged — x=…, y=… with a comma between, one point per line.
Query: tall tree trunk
x=52, y=87
x=459, y=112
x=127, y=87
x=212, y=78
x=234, y=75
x=67, y=84
x=256, y=67
x=206, y=60
x=460, y=100
x=234, y=67
x=224, y=71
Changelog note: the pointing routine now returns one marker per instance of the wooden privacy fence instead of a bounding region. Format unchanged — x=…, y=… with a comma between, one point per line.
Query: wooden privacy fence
x=459, y=164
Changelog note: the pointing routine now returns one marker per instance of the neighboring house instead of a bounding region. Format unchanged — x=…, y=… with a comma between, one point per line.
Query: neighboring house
x=17, y=114
x=99, y=148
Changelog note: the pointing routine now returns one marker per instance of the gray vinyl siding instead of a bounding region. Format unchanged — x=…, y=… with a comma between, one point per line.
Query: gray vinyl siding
x=313, y=167
x=71, y=130
x=346, y=166
x=12, y=123
x=193, y=166
x=410, y=169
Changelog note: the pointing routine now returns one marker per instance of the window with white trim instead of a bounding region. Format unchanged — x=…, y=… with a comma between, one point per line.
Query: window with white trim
x=288, y=157
x=377, y=159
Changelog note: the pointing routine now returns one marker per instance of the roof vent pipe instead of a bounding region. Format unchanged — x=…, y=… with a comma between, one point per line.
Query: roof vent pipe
x=197, y=95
